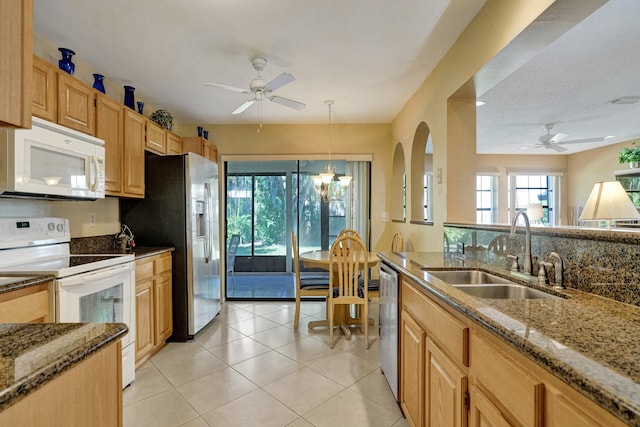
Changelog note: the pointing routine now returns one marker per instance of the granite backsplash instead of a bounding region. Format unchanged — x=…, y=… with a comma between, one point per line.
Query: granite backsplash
x=598, y=261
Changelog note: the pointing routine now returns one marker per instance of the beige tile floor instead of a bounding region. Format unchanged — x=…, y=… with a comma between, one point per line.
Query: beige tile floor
x=250, y=368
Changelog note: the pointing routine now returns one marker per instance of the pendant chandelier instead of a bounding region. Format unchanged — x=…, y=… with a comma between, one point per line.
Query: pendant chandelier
x=326, y=185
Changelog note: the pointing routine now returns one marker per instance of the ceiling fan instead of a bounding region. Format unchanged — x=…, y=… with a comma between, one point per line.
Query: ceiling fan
x=261, y=89
x=555, y=141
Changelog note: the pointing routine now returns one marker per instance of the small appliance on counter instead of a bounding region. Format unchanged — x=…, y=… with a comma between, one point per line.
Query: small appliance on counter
x=88, y=288
x=180, y=209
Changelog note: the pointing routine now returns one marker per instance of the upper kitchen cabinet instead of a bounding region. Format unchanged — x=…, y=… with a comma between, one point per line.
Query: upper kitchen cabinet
x=76, y=104
x=174, y=143
x=201, y=146
x=156, y=140
x=44, y=90
x=16, y=45
x=133, y=155
x=110, y=128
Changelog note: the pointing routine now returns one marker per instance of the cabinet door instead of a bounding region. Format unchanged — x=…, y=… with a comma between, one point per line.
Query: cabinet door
x=163, y=309
x=16, y=66
x=144, y=319
x=568, y=409
x=484, y=413
x=44, y=93
x=26, y=305
x=412, y=370
x=76, y=105
x=192, y=144
x=156, y=140
x=209, y=151
x=446, y=390
x=133, y=172
x=110, y=127
x=174, y=144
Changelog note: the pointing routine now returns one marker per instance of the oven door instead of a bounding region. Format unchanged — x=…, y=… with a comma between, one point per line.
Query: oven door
x=103, y=296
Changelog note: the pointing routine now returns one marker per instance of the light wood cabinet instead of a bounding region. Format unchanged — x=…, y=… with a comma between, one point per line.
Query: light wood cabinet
x=447, y=393
x=110, y=128
x=76, y=104
x=44, y=90
x=412, y=370
x=174, y=143
x=156, y=138
x=88, y=394
x=433, y=362
x=26, y=305
x=154, y=307
x=16, y=45
x=468, y=376
x=133, y=155
x=200, y=146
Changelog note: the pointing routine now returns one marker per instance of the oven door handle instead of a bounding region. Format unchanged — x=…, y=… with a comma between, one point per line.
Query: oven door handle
x=99, y=275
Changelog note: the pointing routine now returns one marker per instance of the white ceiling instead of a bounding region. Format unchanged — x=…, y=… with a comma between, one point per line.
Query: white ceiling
x=368, y=55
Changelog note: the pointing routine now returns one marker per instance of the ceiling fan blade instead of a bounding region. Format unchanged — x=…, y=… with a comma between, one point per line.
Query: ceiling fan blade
x=278, y=82
x=226, y=87
x=287, y=102
x=558, y=137
x=244, y=106
x=556, y=147
x=582, y=141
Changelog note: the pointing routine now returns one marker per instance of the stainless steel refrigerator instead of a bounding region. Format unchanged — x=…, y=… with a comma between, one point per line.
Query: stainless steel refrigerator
x=180, y=209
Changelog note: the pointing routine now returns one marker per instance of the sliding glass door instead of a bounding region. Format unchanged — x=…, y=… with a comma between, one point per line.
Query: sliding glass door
x=265, y=202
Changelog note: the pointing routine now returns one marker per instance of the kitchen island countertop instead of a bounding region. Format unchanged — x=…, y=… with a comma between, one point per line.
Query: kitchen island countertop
x=33, y=354
x=589, y=342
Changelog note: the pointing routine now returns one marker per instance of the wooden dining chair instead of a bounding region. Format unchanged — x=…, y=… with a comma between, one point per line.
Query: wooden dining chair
x=349, y=232
x=309, y=287
x=347, y=259
x=397, y=243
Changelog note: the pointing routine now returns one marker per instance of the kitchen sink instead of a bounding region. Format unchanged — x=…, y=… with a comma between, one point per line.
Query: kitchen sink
x=467, y=277
x=486, y=285
x=504, y=291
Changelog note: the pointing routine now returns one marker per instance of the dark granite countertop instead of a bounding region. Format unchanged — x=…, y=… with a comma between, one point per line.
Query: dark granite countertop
x=12, y=282
x=590, y=342
x=32, y=354
x=146, y=251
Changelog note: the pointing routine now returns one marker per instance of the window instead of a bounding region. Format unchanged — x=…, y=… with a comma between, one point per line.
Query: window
x=428, y=196
x=525, y=190
x=486, y=199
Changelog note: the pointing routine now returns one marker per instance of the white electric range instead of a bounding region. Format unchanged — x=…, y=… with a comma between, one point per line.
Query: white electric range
x=87, y=287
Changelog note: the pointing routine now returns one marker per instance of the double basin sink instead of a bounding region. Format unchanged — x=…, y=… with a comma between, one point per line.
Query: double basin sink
x=486, y=285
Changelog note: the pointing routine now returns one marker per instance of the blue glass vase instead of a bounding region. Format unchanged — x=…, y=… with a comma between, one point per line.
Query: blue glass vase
x=140, y=106
x=65, y=63
x=129, y=100
x=98, y=83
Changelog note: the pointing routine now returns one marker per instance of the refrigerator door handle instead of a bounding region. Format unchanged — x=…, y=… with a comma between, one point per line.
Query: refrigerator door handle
x=207, y=228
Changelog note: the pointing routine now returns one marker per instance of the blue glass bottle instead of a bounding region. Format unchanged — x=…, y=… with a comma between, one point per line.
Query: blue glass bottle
x=98, y=83
x=65, y=63
x=129, y=100
x=140, y=106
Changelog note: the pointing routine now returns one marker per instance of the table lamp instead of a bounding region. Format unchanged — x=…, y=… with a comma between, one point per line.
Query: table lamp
x=608, y=201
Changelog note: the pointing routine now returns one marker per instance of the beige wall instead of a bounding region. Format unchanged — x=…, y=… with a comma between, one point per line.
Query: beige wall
x=588, y=167
x=497, y=24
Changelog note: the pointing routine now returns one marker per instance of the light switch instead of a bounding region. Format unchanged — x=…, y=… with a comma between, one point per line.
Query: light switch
x=385, y=216
x=439, y=176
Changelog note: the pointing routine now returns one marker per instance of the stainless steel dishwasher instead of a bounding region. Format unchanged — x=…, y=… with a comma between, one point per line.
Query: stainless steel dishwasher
x=389, y=325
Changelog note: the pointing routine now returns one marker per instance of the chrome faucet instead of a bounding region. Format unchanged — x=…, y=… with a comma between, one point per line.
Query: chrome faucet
x=558, y=266
x=528, y=263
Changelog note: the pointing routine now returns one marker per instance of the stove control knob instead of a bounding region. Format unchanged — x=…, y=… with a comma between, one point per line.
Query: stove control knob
x=51, y=226
x=60, y=227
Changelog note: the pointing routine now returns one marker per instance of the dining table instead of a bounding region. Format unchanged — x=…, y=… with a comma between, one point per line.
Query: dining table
x=343, y=319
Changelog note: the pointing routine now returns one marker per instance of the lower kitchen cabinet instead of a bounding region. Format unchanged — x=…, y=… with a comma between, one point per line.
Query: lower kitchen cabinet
x=154, y=307
x=433, y=362
x=456, y=373
x=88, y=394
x=26, y=305
x=412, y=370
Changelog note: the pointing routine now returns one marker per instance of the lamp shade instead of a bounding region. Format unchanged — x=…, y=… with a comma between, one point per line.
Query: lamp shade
x=535, y=212
x=607, y=201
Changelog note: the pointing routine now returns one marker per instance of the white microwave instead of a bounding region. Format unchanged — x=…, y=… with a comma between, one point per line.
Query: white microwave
x=52, y=162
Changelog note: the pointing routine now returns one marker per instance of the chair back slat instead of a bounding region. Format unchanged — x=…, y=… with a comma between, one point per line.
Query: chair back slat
x=348, y=258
